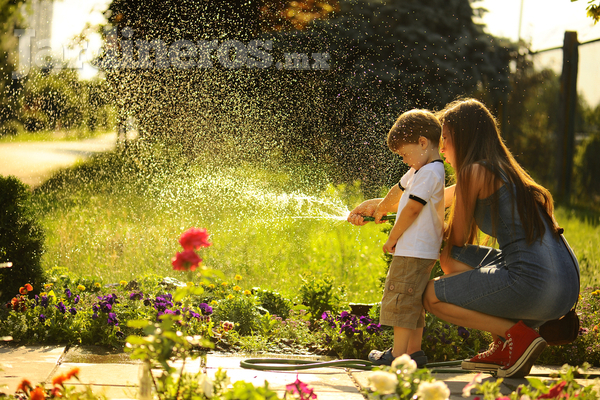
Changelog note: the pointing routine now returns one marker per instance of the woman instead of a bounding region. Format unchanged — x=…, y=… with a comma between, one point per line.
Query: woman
x=531, y=278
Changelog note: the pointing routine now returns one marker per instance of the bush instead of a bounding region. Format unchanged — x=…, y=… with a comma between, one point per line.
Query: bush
x=274, y=303
x=320, y=295
x=239, y=309
x=587, y=169
x=21, y=239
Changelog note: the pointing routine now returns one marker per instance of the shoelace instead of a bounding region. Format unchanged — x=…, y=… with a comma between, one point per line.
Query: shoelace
x=490, y=351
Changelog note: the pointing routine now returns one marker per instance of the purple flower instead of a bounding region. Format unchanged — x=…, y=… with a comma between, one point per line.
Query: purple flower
x=106, y=307
x=95, y=316
x=583, y=331
x=76, y=299
x=345, y=315
x=112, y=319
x=95, y=308
x=373, y=328
x=72, y=310
x=44, y=301
x=42, y=318
x=463, y=332
x=205, y=308
x=61, y=307
x=136, y=296
x=365, y=320
x=68, y=293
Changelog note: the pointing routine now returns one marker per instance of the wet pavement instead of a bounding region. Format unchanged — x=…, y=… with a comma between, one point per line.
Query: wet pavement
x=116, y=376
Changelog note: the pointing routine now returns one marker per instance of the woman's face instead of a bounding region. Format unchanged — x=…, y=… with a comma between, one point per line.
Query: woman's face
x=447, y=146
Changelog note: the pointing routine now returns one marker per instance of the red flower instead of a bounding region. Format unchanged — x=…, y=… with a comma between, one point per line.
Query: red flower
x=59, y=379
x=194, y=238
x=37, y=394
x=554, y=391
x=73, y=373
x=185, y=260
x=22, y=290
x=28, y=287
x=25, y=385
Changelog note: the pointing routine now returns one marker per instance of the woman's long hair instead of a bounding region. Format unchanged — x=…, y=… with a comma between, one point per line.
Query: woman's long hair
x=476, y=140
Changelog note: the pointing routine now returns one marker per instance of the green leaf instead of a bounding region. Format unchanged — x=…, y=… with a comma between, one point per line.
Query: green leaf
x=138, y=323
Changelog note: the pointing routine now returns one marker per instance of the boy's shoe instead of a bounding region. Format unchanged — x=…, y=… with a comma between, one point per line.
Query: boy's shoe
x=495, y=357
x=524, y=347
x=385, y=357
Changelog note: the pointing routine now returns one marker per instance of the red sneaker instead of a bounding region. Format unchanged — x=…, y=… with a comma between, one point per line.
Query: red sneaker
x=524, y=347
x=491, y=360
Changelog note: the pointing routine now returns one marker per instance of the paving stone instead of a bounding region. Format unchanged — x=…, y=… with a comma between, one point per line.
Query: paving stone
x=34, y=363
x=328, y=383
x=122, y=375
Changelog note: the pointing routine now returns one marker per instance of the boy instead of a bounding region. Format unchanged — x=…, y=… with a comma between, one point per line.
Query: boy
x=416, y=237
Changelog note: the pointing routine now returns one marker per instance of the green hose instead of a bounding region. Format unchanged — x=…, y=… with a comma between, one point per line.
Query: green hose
x=390, y=217
x=295, y=365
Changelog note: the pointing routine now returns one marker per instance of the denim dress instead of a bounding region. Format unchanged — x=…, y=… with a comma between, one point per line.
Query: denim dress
x=534, y=282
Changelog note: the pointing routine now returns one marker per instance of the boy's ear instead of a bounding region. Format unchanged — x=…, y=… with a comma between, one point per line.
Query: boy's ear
x=423, y=141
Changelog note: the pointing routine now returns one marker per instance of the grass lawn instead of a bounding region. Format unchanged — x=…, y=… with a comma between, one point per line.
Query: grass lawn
x=117, y=218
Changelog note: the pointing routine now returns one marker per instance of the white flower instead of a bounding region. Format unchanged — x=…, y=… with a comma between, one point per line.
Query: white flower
x=383, y=382
x=206, y=385
x=405, y=364
x=436, y=390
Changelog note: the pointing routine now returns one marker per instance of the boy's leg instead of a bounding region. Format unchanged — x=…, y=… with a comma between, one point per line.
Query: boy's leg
x=402, y=337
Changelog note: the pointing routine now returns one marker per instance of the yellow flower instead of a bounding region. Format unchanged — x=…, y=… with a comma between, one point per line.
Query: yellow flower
x=224, y=284
x=237, y=288
x=97, y=285
x=81, y=287
x=211, y=286
x=229, y=297
x=247, y=292
x=123, y=283
x=48, y=285
x=189, y=284
x=238, y=278
x=43, y=294
x=214, y=302
x=202, y=283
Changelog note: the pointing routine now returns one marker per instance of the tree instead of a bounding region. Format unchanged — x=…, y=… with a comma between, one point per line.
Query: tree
x=327, y=94
x=10, y=18
x=593, y=10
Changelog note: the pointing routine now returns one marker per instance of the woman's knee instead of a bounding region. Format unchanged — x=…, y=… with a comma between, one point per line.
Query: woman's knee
x=429, y=297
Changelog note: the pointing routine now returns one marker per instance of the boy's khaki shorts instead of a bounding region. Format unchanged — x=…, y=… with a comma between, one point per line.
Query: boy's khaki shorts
x=402, y=302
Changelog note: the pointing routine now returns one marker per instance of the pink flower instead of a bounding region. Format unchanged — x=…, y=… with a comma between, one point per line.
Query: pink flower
x=194, y=238
x=186, y=260
x=301, y=389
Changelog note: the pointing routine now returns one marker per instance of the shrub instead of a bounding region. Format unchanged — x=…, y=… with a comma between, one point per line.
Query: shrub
x=21, y=239
x=274, y=302
x=239, y=309
x=321, y=294
x=587, y=169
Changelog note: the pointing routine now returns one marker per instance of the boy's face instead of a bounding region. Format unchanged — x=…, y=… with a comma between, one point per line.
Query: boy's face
x=415, y=155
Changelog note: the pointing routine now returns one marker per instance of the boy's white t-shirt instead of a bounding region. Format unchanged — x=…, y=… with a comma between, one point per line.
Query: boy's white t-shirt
x=423, y=238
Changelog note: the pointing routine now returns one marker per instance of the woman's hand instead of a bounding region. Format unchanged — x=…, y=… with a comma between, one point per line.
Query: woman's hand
x=367, y=208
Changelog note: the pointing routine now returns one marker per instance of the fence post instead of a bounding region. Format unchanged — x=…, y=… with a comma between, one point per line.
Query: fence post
x=566, y=119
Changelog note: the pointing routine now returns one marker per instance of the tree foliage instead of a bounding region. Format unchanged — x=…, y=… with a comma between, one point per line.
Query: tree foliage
x=10, y=18
x=384, y=57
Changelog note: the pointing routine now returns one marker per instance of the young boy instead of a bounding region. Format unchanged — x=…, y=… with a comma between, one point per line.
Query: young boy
x=416, y=237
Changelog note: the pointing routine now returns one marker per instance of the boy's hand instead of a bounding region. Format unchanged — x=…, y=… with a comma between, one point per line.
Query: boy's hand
x=389, y=246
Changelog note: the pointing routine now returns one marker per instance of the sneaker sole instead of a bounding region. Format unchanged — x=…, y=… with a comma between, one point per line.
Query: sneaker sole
x=523, y=365
x=475, y=366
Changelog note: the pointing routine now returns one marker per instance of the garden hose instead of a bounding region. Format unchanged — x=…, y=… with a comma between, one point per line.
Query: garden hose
x=295, y=365
x=267, y=364
x=384, y=218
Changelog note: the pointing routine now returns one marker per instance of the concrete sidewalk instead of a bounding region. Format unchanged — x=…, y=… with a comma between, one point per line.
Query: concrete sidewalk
x=116, y=376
